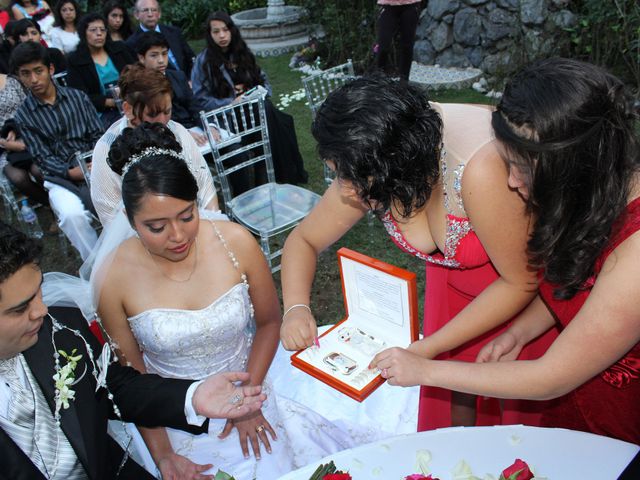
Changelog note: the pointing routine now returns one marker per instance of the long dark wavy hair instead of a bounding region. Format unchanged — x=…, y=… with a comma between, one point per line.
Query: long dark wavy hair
x=384, y=139
x=238, y=53
x=568, y=127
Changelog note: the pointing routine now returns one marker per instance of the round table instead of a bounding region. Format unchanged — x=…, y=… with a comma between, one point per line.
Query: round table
x=552, y=453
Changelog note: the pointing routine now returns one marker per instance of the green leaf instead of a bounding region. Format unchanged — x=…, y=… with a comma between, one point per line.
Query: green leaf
x=220, y=475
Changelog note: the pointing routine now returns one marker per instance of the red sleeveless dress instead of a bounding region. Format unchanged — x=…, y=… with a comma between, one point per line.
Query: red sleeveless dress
x=453, y=279
x=609, y=403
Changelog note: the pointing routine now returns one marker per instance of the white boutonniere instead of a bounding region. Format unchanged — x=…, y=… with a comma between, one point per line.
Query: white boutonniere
x=65, y=378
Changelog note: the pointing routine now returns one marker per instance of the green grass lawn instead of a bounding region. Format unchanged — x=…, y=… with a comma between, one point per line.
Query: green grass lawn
x=366, y=237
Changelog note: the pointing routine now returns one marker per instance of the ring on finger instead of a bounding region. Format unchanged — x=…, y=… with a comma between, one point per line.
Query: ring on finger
x=237, y=399
x=260, y=428
x=385, y=373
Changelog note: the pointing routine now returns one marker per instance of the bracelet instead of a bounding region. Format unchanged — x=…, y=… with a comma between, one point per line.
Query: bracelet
x=295, y=306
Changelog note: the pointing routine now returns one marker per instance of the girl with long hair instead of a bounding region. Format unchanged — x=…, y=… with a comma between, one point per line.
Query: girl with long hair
x=224, y=71
x=566, y=132
x=118, y=20
x=64, y=34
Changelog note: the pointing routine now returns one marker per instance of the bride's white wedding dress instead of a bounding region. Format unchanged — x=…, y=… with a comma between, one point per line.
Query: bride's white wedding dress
x=193, y=344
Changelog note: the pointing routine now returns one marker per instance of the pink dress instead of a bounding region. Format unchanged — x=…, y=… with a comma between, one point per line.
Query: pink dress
x=460, y=273
x=609, y=403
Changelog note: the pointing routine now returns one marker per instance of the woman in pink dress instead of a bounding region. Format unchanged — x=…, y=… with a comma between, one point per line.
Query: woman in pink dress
x=433, y=174
x=566, y=131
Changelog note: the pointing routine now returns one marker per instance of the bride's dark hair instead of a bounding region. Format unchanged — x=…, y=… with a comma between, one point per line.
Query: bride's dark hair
x=568, y=127
x=159, y=171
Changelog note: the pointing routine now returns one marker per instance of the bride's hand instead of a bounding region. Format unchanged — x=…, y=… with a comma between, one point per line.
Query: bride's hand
x=254, y=428
x=177, y=467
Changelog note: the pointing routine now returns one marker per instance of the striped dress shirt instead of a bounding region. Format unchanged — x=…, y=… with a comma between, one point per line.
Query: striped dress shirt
x=54, y=133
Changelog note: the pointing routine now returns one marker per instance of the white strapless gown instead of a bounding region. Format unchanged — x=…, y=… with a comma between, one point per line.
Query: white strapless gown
x=311, y=419
x=194, y=344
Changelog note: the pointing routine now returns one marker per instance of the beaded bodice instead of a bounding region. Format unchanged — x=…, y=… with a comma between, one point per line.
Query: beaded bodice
x=193, y=344
x=459, y=231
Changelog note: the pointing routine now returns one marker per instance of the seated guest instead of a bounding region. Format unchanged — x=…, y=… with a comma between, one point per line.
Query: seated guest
x=56, y=122
x=26, y=30
x=148, y=14
x=72, y=443
x=95, y=66
x=38, y=11
x=566, y=131
x=146, y=96
x=224, y=71
x=153, y=52
x=18, y=164
x=64, y=34
x=118, y=21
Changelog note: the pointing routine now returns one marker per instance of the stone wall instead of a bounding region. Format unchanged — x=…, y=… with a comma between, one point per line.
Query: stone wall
x=493, y=35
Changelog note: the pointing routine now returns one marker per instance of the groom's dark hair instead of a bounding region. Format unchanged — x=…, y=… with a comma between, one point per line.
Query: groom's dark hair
x=16, y=251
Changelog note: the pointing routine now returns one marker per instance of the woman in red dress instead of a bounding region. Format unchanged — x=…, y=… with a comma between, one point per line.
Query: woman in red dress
x=566, y=131
x=434, y=176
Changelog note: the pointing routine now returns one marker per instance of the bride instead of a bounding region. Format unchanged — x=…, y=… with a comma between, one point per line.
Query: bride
x=185, y=297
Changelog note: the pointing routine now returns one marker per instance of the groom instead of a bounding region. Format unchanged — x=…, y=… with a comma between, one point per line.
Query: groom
x=32, y=444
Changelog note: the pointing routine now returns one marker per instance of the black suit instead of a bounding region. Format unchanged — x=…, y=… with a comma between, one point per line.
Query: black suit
x=178, y=45
x=184, y=108
x=147, y=400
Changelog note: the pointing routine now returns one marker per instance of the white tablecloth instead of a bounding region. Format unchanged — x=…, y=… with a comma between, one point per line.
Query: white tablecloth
x=552, y=453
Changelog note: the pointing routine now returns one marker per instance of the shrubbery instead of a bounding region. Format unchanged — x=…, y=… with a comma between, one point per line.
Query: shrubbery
x=349, y=29
x=608, y=34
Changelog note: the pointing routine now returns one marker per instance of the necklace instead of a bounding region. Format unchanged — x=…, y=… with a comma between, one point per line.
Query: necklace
x=193, y=268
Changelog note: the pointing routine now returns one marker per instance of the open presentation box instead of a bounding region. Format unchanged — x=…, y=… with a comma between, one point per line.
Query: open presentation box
x=381, y=312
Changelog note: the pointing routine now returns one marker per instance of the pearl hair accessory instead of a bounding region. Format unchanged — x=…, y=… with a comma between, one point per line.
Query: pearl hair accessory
x=149, y=152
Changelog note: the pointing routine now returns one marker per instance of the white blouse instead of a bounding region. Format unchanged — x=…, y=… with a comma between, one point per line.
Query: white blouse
x=63, y=40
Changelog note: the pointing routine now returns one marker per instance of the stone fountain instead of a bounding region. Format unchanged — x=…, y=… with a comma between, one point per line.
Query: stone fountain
x=273, y=30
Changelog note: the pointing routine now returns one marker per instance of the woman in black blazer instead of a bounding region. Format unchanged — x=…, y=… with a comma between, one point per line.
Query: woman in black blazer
x=96, y=64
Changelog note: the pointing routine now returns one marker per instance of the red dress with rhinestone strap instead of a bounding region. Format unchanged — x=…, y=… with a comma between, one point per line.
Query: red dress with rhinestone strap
x=609, y=403
x=460, y=273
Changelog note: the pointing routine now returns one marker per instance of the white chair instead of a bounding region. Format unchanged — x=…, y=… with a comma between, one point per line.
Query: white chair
x=319, y=85
x=266, y=210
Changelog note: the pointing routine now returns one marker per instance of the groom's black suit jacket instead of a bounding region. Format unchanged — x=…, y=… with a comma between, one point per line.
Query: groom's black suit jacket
x=146, y=400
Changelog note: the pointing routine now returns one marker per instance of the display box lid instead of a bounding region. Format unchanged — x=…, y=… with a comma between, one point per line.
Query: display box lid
x=381, y=312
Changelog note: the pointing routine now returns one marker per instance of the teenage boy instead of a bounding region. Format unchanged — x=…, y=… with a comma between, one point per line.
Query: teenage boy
x=55, y=123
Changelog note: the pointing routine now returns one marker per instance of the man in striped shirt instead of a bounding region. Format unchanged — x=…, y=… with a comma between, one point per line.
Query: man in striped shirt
x=56, y=122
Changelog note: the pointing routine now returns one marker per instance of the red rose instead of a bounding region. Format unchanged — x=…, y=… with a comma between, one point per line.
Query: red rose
x=518, y=471
x=337, y=476
x=419, y=476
